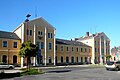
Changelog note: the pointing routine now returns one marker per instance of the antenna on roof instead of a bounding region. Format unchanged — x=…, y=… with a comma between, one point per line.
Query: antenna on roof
x=35, y=12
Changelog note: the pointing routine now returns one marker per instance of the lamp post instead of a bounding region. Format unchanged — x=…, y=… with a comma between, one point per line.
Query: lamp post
x=27, y=16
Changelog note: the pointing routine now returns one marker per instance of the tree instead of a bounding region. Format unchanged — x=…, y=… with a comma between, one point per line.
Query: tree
x=108, y=56
x=28, y=50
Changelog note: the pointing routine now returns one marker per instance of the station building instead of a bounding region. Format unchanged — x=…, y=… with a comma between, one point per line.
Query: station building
x=54, y=51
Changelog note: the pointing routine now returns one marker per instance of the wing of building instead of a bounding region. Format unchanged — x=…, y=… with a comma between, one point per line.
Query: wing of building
x=100, y=44
x=72, y=52
x=9, y=48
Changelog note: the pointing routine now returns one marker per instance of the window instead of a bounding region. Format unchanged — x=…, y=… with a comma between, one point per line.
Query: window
x=102, y=50
x=77, y=49
x=5, y=44
x=50, y=35
x=95, y=49
x=67, y=59
x=102, y=37
x=41, y=45
x=50, y=46
x=72, y=59
x=14, y=59
x=4, y=59
x=106, y=51
x=95, y=42
x=50, y=60
x=81, y=50
x=72, y=49
x=40, y=33
x=61, y=48
x=56, y=47
x=30, y=32
x=61, y=59
x=15, y=45
x=67, y=49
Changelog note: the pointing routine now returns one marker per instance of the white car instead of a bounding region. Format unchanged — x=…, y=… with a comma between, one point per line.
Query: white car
x=6, y=66
x=113, y=65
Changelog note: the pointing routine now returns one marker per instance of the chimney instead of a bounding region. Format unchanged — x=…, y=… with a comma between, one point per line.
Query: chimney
x=87, y=34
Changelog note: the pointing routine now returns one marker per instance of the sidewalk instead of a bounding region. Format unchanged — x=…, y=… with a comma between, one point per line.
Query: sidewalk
x=55, y=66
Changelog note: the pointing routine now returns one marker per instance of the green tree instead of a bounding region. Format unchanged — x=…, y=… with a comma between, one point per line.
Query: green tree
x=28, y=50
x=108, y=56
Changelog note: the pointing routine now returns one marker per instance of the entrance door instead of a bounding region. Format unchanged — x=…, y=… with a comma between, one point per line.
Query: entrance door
x=14, y=59
x=4, y=59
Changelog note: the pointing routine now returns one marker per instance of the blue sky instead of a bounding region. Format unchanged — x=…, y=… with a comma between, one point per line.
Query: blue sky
x=71, y=18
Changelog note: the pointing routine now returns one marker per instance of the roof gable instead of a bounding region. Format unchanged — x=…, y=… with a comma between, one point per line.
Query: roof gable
x=40, y=21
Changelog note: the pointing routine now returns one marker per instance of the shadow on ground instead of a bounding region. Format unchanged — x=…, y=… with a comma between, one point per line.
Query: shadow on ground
x=9, y=75
x=58, y=71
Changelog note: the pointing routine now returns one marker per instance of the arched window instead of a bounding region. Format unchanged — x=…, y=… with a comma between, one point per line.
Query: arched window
x=77, y=59
x=61, y=59
x=4, y=59
x=67, y=59
x=14, y=59
x=72, y=59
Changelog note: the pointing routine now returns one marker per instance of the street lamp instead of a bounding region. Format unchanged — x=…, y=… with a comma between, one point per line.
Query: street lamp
x=27, y=16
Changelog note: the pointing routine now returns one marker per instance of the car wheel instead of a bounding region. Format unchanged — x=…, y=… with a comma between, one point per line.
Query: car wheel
x=107, y=69
x=117, y=68
x=10, y=67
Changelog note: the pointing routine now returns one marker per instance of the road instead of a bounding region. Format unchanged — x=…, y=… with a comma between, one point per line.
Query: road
x=74, y=74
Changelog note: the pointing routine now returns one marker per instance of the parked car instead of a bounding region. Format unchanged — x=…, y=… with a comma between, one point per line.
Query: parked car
x=6, y=66
x=113, y=65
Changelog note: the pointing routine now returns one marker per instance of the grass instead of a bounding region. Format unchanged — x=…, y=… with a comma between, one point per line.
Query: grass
x=24, y=72
x=32, y=71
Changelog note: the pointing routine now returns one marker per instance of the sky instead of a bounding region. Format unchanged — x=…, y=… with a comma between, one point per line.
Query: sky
x=71, y=18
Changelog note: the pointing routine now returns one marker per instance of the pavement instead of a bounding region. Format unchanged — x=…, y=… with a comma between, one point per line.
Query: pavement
x=17, y=69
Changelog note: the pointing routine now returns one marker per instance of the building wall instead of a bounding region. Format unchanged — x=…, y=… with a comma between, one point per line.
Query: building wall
x=9, y=51
x=37, y=31
x=90, y=42
x=80, y=54
x=100, y=47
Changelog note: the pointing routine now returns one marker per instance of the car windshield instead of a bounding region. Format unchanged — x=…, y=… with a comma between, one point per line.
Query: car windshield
x=110, y=63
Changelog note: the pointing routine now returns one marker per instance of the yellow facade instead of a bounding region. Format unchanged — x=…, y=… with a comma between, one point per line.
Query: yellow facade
x=9, y=54
x=39, y=31
x=77, y=54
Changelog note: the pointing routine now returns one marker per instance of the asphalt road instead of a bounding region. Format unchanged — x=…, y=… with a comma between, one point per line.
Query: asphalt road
x=74, y=74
